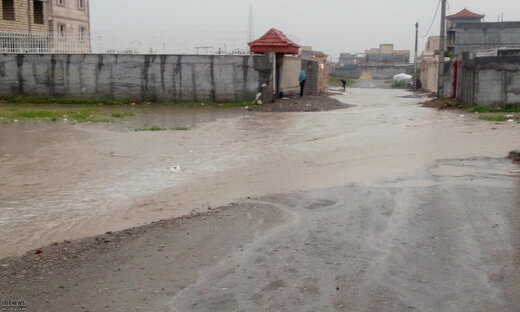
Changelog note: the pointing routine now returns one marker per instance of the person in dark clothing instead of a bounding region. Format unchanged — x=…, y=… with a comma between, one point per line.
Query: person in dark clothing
x=344, y=83
x=302, y=79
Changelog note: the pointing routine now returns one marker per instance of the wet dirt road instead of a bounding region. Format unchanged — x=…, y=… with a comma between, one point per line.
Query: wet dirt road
x=443, y=239
x=386, y=206
x=64, y=182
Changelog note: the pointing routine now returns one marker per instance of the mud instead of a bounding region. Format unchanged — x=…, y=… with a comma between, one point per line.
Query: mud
x=442, y=239
x=62, y=182
x=303, y=104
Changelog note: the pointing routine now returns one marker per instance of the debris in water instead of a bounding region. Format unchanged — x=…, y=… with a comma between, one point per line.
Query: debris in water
x=175, y=169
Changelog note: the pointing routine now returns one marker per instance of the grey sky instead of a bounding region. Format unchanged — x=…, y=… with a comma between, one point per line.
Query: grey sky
x=332, y=26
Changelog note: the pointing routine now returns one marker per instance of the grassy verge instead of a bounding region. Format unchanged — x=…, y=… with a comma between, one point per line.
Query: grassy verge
x=82, y=115
x=497, y=118
x=399, y=84
x=100, y=101
x=513, y=108
x=335, y=81
x=62, y=100
x=157, y=128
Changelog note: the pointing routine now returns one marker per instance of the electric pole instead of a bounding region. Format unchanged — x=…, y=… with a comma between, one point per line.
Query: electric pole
x=415, y=58
x=442, y=51
x=250, y=29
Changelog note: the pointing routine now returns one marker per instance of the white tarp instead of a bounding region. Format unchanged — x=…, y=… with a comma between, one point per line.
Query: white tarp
x=402, y=77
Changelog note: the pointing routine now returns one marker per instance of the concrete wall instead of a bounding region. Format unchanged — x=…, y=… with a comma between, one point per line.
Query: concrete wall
x=177, y=78
x=470, y=37
x=348, y=71
x=291, y=68
x=429, y=73
x=490, y=81
x=313, y=76
x=376, y=71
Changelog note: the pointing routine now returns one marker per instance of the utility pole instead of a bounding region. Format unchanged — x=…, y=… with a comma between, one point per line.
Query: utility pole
x=415, y=58
x=442, y=51
x=250, y=29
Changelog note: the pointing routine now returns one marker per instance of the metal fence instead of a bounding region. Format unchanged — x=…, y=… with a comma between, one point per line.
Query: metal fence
x=180, y=42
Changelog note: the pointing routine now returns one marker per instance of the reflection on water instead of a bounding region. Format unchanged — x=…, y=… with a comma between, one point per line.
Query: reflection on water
x=60, y=181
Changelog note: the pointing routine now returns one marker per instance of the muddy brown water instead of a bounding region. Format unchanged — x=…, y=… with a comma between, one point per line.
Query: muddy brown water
x=62, y=181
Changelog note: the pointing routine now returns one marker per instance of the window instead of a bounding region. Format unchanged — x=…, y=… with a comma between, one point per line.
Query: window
x=61, y=30
x=8, y=10
x=81, y=4
x=60, y=2
x=38, y=12
x=82, y=31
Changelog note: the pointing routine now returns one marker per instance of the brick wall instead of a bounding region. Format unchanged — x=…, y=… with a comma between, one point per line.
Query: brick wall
x=23, y=16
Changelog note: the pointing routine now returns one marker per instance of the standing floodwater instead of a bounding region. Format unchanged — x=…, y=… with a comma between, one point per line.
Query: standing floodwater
x=62, y=181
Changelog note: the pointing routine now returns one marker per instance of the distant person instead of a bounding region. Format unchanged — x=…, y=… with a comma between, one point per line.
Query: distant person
x=302, y=79
x=344, y=83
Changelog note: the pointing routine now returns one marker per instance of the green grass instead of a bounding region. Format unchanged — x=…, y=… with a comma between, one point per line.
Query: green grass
x=498, y=118
x=399, y=84
x=101, y=101
x=122, y=115
x=152, y=128
x=335, y=81
x=512, y=108
x=62, y=100
x=82, y=115
x=514, y=155
x=157, y=128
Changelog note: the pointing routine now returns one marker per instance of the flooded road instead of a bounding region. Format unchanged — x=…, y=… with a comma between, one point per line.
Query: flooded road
x=62, y=181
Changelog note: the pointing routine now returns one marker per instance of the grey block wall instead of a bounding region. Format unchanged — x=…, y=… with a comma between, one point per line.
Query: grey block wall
x=175, y=78
x=491, y=81
x=470, y=37
x=312, y=81
x=379, y=71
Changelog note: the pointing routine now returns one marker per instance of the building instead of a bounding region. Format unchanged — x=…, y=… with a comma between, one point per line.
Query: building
x=69, y=16
x=45, y=26
x=24, y=16
x=386, y=54
x=351, y=59
x=470, y=38
x=464, y=16
x=307, y=53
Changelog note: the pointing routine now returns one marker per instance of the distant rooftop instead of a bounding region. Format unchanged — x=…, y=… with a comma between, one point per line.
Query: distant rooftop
x=465, y=14
x=274, y=41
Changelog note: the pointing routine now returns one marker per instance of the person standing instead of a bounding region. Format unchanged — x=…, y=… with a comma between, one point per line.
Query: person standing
x=344, y=83
x=302, y=79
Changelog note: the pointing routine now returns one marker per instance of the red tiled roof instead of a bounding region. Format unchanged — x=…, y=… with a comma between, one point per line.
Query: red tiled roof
x=465, y=14
x=274, y=41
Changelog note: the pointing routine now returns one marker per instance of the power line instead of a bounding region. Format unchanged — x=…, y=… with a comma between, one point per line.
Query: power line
x=433, y=20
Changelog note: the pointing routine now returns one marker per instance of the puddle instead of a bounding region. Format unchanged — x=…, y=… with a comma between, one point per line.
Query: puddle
x=61, y=181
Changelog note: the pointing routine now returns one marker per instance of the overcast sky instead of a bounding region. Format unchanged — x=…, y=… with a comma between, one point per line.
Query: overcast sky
x=332, y=26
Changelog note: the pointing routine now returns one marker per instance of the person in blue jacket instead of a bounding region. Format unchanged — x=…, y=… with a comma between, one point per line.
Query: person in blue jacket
x=302, y=79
